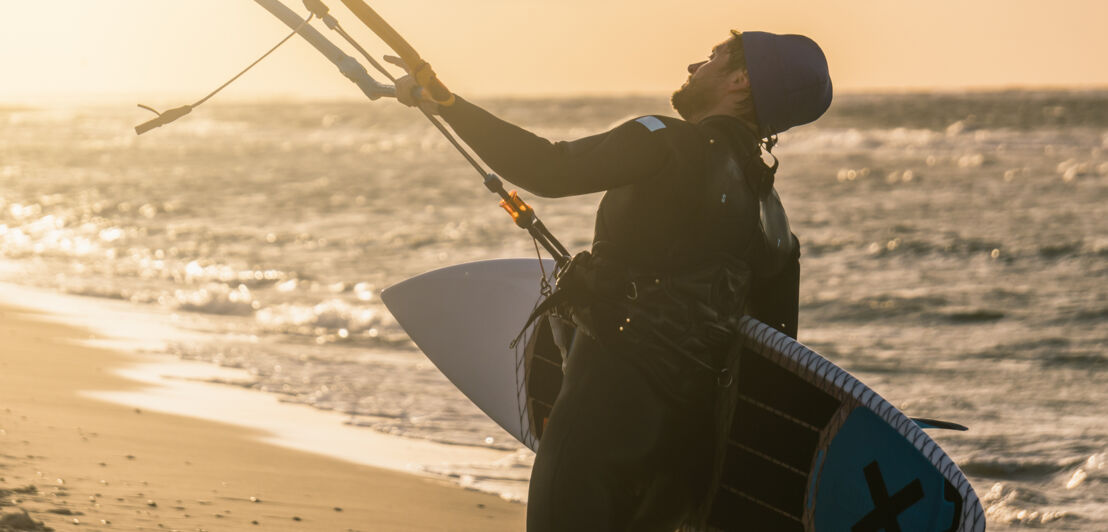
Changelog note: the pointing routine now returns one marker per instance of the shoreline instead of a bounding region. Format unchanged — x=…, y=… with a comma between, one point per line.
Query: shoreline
x=69, y=458
x=211, y=392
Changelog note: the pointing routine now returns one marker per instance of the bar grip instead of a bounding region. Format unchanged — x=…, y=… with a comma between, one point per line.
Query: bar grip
x=163, y=119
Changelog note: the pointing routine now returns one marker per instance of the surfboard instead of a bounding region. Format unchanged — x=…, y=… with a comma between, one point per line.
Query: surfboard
x=811, y=449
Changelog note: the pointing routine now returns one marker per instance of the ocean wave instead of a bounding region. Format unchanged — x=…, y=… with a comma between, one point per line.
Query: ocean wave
x=961, y=246
x=815, y=248
x=1096, y=315
x=1062, y=249
x=1014, y=505
x=952, y=147
x=972, y=315
x=1094, y=359
x=506, y=477
x=457, y=432
x=876, y=307
x=1008, y=469
x=1019, y=110
x=946, y=244
x=914, y=245
x=1072, y=169
x=1050, y=352
x=216, y=298
x=332, y=320
x=94, y=290
x=1091, y=474
x=1029, y=348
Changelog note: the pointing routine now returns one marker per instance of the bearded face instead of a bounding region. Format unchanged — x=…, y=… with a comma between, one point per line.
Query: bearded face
x=708, y=85
x=694, y=98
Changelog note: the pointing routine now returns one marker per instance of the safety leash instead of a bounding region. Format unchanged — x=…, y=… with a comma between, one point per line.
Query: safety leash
x=177, y=112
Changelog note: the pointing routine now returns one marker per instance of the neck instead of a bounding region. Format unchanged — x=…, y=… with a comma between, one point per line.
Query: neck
x=749, y=123
x=741, y=109
x=746, y=121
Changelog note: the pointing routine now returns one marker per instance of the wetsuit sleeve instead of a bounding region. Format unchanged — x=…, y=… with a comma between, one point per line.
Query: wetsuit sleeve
x=623, y=156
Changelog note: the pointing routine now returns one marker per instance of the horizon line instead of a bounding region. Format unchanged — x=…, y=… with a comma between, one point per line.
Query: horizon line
x=119, y=98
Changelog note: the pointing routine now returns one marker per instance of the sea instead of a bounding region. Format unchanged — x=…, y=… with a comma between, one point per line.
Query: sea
x=954, y=257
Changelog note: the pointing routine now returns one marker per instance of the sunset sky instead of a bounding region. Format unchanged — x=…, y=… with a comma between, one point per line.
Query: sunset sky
x=157, y=50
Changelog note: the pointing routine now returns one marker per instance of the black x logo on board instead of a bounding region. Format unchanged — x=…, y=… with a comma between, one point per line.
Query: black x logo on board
x=886, y=508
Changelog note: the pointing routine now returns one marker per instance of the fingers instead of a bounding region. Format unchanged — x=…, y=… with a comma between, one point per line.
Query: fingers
x=408, y=91
x=432, y=89
x=398, y=62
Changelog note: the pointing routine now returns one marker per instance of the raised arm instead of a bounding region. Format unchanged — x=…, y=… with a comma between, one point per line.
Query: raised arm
x=625, y=155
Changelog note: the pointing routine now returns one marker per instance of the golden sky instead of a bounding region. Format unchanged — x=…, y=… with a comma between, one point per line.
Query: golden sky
x=154, y=50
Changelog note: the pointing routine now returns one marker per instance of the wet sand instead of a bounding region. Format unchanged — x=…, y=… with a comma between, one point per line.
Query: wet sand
x=66, y=459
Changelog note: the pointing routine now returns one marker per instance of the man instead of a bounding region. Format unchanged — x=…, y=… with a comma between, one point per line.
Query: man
x=689, y=236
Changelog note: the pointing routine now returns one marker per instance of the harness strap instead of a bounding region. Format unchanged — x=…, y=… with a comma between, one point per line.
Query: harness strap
x=553, y=301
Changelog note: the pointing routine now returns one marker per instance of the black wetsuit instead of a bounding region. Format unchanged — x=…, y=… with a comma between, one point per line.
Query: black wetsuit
x=629, y=443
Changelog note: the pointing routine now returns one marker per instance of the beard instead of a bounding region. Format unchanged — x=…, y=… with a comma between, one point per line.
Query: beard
x=691, y=99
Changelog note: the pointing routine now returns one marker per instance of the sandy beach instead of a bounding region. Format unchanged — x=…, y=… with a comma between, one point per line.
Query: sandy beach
x=68, y=460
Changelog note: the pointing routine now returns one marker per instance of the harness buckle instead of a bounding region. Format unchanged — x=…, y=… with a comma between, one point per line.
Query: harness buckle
x=725, y=379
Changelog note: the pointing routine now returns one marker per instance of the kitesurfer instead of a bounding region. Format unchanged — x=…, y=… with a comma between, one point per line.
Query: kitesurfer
x=689, y=236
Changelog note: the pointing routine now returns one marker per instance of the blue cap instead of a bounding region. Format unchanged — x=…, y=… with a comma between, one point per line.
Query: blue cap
x=789, y=80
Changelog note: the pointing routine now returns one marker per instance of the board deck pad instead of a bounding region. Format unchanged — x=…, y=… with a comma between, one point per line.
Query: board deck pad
x=811, y=448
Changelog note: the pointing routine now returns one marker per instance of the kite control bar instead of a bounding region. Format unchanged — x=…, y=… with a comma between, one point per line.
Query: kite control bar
x=348, y=66
x=522, y=213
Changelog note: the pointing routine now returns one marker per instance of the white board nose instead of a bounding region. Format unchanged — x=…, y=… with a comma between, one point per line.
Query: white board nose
x=463, y=318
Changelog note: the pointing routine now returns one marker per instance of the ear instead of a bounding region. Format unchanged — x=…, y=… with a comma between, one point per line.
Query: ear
x=738, y=80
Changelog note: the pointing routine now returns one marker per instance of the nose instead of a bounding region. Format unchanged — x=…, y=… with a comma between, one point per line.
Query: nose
x=696, y=66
